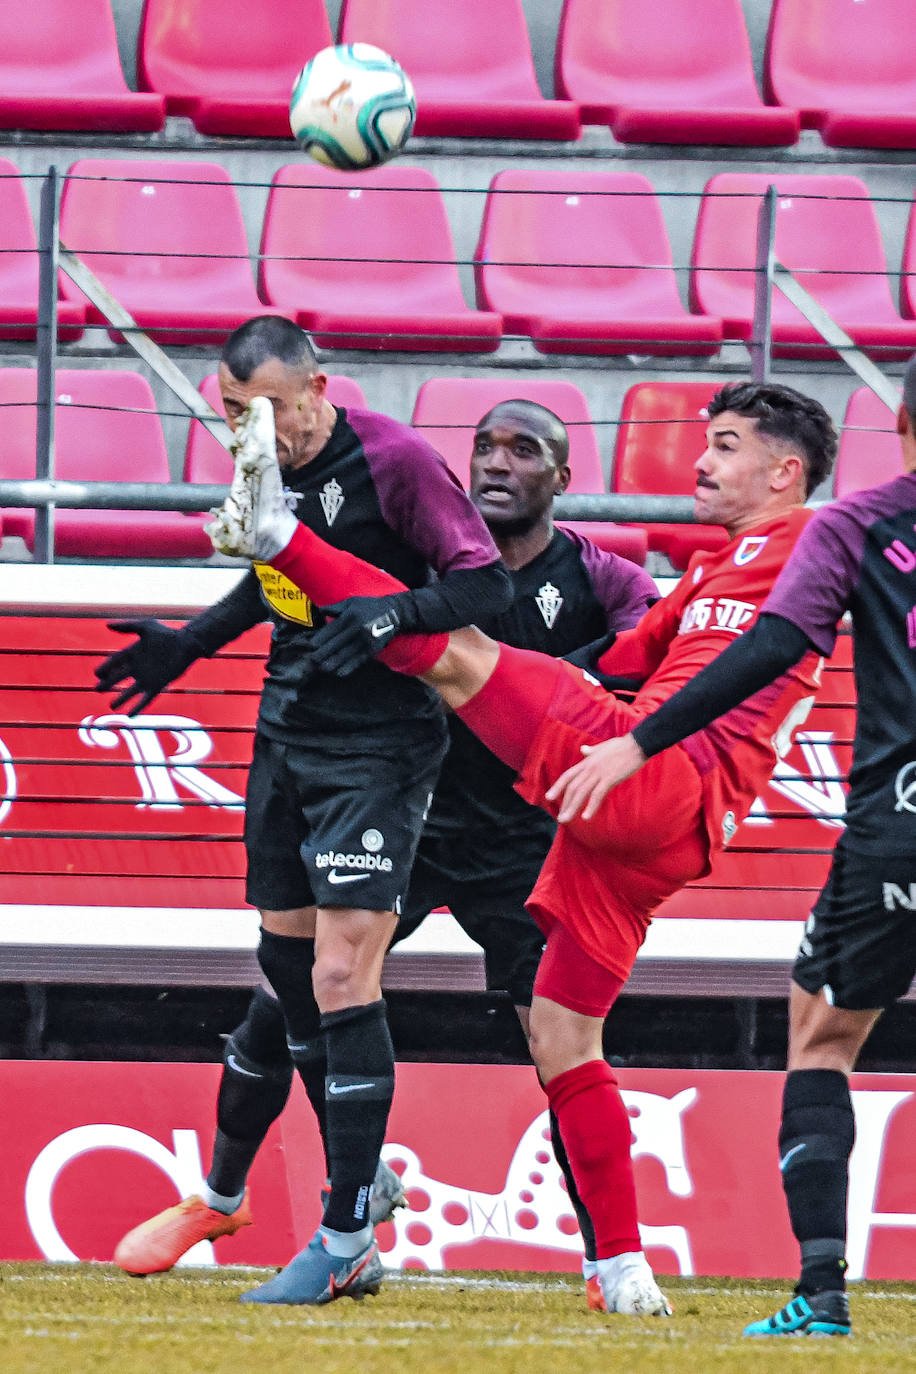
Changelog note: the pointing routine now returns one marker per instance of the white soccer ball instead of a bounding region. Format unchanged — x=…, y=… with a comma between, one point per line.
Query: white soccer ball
x=352, y=107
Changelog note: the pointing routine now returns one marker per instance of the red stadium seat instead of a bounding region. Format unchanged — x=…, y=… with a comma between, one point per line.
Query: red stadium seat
x=230, y=64
x=580, y=261
x=869, y=447
x=448, y=409
x=366, y=260
x=107, y=430
x=168, y=241
x=847, y=67
x=59, y=69
x=661, y=436
x=666, y=71
x=826, y=233
x=205, y=458
x=470, y=65
x=19, y=267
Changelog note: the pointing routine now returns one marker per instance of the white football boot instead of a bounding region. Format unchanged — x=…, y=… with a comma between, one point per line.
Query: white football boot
x=255, y=520
x=629, y=1286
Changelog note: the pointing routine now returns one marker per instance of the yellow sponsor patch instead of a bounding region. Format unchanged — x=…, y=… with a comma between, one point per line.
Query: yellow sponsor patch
x=284, y=596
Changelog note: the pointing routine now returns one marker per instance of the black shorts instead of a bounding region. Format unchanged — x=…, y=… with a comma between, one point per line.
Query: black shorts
x=334, y=829
x=860, y=939
x=484, y=880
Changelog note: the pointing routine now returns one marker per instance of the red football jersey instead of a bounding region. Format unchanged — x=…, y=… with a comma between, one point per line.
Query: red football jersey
x=718, y=598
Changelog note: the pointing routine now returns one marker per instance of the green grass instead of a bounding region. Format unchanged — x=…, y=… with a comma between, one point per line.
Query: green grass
x=57, y=1318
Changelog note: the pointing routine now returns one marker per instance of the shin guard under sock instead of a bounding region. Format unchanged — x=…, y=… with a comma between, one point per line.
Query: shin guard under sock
x=287, y=962
x=328, y=575
x=255, y=1083
x=360, y=1086
x=595, y=1128
x=816, y=1136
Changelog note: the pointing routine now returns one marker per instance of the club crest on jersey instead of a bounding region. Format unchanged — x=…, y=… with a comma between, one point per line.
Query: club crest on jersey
x=332, y=498
x=748, y=549
x=549, y=602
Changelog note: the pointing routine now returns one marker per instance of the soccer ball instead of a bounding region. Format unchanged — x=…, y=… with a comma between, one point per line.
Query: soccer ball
x=352, y=107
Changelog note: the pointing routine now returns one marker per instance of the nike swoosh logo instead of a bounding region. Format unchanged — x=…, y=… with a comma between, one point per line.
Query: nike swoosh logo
x=379, y=630
x=788, y=1155
x=234, y=1064
x=335, y=878
x=336, y=1091
x=339, y=1288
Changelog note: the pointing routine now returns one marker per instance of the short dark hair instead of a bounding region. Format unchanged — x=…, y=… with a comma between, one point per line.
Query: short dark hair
x=265, y=337
x=547, y=425
x=909, y=389
x=783, y=413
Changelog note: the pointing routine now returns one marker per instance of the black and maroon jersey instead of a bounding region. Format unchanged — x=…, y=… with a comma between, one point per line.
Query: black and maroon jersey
x=379, y=490
x=859, y=555
x=567, y=596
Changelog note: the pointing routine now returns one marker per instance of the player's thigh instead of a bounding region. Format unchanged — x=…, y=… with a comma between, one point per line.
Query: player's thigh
x=275, y=828
x=859, y=945
x=364, y=815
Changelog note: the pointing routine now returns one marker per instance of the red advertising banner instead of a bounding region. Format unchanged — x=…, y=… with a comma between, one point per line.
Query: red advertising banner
x=90, y=1149
x=101, y=809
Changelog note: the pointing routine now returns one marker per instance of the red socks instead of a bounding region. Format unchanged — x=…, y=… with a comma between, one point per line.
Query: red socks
x=328, y=575
x=596, y=1131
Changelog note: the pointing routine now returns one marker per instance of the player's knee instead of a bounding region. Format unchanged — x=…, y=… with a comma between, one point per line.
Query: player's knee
x=557, y=1041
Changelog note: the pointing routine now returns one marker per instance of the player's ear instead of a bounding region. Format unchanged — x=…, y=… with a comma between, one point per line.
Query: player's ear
x=788, y=470
x=904, y=424
x=564, y=477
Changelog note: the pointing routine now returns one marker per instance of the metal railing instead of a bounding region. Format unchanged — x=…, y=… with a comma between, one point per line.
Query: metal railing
x=46, y=493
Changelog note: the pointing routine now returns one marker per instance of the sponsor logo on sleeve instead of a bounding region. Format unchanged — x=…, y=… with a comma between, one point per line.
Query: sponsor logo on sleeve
x=284, y=596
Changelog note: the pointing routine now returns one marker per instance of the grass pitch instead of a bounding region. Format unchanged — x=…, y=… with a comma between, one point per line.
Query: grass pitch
x=57, y=1318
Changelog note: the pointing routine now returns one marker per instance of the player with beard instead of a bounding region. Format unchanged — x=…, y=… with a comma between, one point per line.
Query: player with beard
x=340, y=781
x=482, y=846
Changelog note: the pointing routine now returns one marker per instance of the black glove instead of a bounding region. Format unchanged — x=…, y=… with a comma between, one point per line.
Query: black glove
x=361, y=627
x=157, y=657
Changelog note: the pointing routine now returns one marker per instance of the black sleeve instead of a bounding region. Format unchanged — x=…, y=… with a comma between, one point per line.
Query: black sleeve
x=763, y=653
x=458, y=598
x=238, y=611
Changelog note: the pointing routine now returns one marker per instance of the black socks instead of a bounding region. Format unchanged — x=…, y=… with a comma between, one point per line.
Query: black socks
x=816, y=1137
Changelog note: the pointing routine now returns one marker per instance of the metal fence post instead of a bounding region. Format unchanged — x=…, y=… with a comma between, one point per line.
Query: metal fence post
x=48, y=249
x=761, y=349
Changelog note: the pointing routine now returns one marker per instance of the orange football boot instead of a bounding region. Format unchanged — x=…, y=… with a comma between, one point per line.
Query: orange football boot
x=158, y=1244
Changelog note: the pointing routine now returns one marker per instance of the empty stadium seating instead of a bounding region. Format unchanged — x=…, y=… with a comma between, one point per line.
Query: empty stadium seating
x=167, y=239
x=229, y=64
x=205, y=458
x=869, y=450
x=580, y=261
x=661, y=435
x=448, y=409
x=107, y=430
x=470, y=65
x=19, y=267
x=666, y=71
x=366, y=260
x=826, y=233
x=59, y=69
x=847, y=67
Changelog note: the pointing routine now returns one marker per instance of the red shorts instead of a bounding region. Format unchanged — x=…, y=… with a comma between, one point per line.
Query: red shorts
x=566, y=974
x=603, y=878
